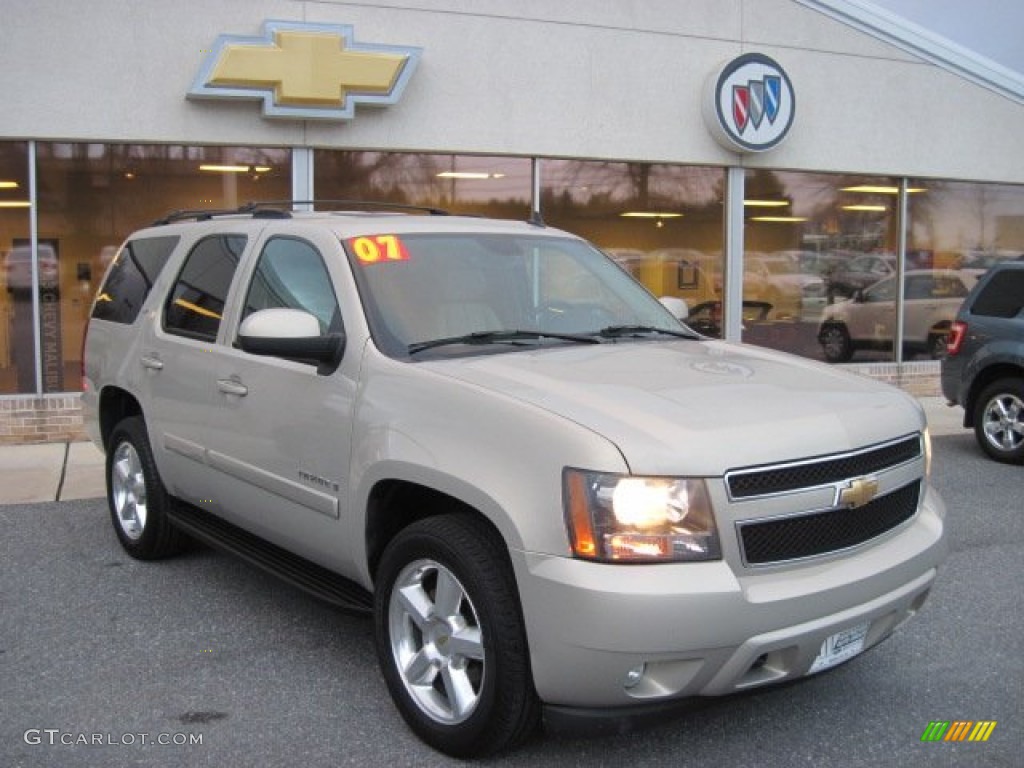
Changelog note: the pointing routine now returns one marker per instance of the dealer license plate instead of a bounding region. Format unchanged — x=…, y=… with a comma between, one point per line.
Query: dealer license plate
x=840, y=647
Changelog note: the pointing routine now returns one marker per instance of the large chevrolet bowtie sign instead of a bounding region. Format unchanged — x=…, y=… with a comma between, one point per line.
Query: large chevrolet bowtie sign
x=305, y=71
x=749, y=104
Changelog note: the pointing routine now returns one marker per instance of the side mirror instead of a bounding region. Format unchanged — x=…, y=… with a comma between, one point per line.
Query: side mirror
x=293, y=335
x=676, y=306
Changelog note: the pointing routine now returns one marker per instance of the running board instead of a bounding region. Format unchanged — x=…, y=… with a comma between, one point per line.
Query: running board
x=297, y=571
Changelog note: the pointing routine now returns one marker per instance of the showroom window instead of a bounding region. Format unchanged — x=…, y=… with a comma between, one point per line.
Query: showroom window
x=468, y=184
x=812, y=243
x=964, y=225
x=17, y=328
x=92, y=196
x=662, y=223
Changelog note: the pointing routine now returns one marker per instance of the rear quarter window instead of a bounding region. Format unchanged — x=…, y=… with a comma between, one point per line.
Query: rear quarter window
x=131, y=277
x=1002, y=295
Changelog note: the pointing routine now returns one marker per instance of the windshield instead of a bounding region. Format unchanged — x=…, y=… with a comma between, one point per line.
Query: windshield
x=422, y=288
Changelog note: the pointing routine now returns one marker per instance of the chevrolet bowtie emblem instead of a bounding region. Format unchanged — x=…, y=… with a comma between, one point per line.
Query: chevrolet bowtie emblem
x=305, y=71
x=857, y=492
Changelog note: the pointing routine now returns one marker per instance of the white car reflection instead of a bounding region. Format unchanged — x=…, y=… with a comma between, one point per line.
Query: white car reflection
x=868, y=320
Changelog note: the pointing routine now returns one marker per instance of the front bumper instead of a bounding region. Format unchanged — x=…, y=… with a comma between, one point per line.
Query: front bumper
x=706, y=629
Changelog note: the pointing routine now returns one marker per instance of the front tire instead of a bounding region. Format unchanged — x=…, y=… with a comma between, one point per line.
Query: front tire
x=835, y=343
x=136, y=496
x=999, y=420
x=450, y=637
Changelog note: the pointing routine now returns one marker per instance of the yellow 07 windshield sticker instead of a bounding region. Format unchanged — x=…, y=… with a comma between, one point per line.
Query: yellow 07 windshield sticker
x=377, y=248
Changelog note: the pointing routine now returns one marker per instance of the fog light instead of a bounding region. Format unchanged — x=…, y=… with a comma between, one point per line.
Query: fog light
x=635, y=675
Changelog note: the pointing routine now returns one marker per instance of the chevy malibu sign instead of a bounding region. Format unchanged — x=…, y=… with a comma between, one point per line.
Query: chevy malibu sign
x=749, y=105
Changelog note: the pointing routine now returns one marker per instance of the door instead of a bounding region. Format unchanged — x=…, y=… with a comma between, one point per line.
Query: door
x=872, y=317
x=176, y=347
x=281, y=432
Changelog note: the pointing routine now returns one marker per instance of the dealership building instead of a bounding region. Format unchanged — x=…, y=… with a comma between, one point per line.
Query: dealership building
x=771, y=162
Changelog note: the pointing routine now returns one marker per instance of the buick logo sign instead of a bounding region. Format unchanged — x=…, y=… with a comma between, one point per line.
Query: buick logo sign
x=750, y=104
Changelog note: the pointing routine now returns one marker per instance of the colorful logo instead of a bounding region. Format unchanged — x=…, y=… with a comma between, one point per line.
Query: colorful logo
x=958, y=730
x=305, y=71
x=750, y=104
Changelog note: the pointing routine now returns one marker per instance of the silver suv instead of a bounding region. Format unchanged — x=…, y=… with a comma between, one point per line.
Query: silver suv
x=546, y=490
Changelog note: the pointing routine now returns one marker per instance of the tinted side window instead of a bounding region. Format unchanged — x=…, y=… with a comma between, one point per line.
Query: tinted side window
x=884, y=291
x=948, y=288
x=291, y=274
x=196, y=303
x=131, y=277
x=1003, y=296
x=920, y=287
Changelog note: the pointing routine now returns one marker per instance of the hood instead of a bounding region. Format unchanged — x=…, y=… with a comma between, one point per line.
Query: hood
x=697, y=408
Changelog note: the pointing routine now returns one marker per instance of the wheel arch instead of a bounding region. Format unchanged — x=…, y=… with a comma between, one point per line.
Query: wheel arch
x=982, y=379
x=115, y=405
x=394, y=504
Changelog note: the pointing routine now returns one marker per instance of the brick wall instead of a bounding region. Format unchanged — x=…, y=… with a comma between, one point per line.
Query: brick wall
x=47, y=419
x=920, y=379
x=58, y=418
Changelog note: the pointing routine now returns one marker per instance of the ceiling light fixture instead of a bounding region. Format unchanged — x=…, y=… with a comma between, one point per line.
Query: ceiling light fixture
x=779, y=219
x=880, y=190
x=650, y=215
x=469, y=175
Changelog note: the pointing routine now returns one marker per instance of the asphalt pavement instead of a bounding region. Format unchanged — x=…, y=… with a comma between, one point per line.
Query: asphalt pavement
x=103, y=657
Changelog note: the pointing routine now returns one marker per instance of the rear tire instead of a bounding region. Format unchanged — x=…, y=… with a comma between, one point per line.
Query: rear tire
x=937, y=345
x=999, y=420
x=450, y=637
x=136, y=496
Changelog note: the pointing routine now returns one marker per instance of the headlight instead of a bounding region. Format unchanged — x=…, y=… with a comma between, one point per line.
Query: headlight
x=639, y=519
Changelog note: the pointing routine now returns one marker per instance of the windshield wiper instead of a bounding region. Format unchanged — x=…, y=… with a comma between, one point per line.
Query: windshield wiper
x=498, y=337
x=616, y=331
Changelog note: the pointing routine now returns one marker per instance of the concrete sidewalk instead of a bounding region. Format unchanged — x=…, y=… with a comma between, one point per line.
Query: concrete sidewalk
x=63, y=471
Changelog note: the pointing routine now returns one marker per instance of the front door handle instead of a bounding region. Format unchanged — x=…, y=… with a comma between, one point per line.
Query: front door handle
x=232, y=387
x=152, y=362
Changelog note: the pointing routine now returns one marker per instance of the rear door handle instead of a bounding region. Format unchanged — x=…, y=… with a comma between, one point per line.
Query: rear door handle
x=232, y=387
x=152, y=362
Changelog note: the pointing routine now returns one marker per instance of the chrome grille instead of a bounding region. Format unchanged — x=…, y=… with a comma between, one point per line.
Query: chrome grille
x=780, y=478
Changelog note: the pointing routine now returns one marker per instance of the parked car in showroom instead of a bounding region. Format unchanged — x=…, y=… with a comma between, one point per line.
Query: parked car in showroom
x=984, y=366
x=776, y=279
x=868, y=320
x=857, y=273
x=18, y=268
x=546, y=491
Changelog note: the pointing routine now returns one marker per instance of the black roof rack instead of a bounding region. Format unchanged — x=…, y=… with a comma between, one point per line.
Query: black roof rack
x=199, y=214
x=340, y=204
x=279, y=209
x=205, y=214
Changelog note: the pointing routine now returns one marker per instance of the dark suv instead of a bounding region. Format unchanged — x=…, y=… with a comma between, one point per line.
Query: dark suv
x=984, y=367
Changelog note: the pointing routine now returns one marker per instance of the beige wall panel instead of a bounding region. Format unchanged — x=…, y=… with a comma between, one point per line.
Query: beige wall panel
x=616, y=79
x=895, y=118
x=786, y=24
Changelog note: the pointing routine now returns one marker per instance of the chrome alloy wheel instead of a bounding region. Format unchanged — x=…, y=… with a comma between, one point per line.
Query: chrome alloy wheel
x=128, y=491
x=1004, y=422
x=436, y=641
